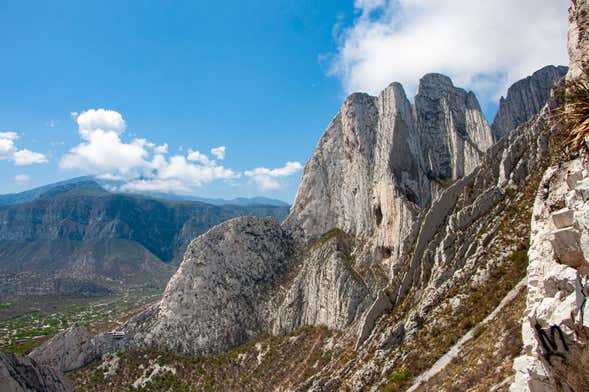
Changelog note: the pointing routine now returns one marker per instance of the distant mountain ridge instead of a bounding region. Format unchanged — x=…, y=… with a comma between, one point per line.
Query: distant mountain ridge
x=78, y=237
x=32, y=194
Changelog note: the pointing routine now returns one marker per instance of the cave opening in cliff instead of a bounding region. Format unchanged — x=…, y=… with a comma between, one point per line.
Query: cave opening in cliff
x=378, y=215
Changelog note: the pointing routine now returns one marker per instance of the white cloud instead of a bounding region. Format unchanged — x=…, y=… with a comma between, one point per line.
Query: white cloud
x=162, y=149
x=94, y=120
x=22, y=178
x=9, y=151
x=219, y=152
x=142, y=164
x=104, y=151
x=482, y=45
x=51, y=123
x=27, y=157
x=196, y=156
x=267, y=179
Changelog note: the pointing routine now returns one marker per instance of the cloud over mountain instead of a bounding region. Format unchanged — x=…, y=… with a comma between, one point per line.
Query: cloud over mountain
x=484, y=46
x=143, y=166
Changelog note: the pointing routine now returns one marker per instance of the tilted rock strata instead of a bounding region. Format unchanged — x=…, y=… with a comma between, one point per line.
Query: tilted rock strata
x=525, y=99
x=22, y=374
x=360, y=224
x=382, y=159
x=468, y=233
x=326, y=291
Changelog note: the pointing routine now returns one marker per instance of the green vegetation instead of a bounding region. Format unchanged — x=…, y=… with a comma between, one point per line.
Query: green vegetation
x=333, y=233
x=6, y=305
x=265, y=363
x=24, y=332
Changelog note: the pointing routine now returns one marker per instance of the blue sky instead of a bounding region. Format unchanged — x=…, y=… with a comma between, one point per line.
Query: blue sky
x=261, y=78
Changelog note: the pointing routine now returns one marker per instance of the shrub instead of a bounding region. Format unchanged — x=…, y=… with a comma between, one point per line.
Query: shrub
x=574, y=115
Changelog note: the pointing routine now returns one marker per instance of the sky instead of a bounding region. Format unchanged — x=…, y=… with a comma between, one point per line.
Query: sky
x=228, y=99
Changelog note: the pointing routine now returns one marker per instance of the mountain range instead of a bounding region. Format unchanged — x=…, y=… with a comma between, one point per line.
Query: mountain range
x=77, y=237
x=426, y=250
x=113, y=186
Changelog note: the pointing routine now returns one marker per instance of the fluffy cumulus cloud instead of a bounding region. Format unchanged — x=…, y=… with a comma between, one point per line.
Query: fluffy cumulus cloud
x=21, y=157
x=144, y=166
x=269, y=179
x=482, y=45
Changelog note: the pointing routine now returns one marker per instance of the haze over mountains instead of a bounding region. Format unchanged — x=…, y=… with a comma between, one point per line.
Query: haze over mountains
x=76, y=237
x=32, y=194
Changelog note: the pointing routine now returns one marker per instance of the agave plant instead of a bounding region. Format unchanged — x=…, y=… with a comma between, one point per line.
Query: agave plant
x=574, y=114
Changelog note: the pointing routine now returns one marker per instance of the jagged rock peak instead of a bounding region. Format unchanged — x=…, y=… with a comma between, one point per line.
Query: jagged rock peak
x=435, y=85
x=525, y=98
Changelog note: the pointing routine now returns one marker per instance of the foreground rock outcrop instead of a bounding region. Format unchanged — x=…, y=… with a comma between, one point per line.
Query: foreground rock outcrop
x=555, y=329
x=23, y=374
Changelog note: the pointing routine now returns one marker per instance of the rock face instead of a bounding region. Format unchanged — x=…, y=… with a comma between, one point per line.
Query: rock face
x=22, y=374
x=382, y=159
x=525, y=99
x=452, y=128
x=354, y=222
x=75, y=348
x=555, y=331
x=218, y=298
x=578, y=37
x=326, y=290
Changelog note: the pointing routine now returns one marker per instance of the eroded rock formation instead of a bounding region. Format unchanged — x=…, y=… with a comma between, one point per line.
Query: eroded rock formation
x=524, y=99
x=23, y=374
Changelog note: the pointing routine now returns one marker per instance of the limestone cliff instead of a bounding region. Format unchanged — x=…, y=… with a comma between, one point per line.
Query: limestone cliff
x=578, y=38
x=524, y=99
x=218, y=298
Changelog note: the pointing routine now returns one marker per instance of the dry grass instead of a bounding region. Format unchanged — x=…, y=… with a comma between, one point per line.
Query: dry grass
x=574, y=115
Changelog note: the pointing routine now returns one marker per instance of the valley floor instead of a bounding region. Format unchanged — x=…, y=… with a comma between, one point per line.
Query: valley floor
x=27, y=322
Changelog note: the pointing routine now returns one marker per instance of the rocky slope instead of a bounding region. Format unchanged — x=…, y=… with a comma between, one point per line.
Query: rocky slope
x=524, y=99
x=18, y=374
x=79, y=238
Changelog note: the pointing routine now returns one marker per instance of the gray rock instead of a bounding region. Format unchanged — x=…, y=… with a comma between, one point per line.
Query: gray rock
x=75, y=348
x=452, y=128
x=525, y=99
x=578, y=43
x=326, y=290
x=382, y=159
x=368, y=182
x=218, y=297
x=23, y=374
x=563, y=218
